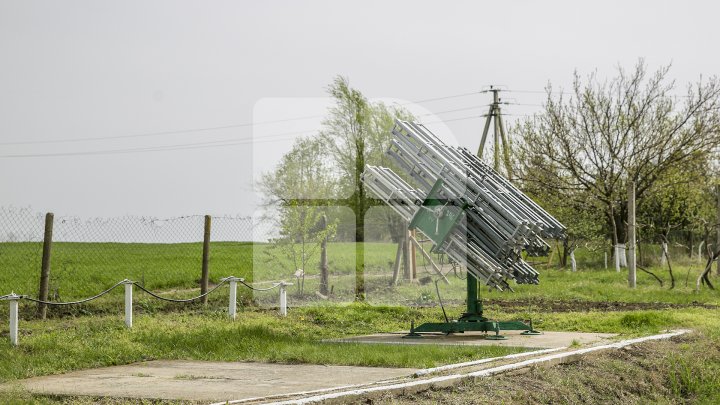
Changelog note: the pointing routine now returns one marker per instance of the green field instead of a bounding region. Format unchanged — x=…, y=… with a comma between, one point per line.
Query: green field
x=93, y=335
x=83, y=269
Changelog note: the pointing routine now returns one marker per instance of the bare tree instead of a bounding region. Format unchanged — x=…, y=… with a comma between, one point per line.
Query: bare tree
x=608, y=132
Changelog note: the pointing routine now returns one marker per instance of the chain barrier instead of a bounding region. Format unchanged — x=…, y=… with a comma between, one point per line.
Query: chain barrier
x=13, y=299
x=138, y=285
x=276, y=285
x=94, y=297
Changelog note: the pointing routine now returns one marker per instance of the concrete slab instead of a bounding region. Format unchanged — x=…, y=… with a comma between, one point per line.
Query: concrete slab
x=548, y=340
x=206, y=381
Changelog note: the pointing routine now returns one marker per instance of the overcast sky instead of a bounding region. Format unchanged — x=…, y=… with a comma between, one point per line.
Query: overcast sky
x=147, y=75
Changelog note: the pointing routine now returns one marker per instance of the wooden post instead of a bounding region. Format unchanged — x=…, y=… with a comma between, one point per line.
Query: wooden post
x=396, y=265
x=430, y=260
x=413, y=259
x=45, y=267
x=632, y=276
x=324, y=288
x=204, y=279
x=407, y=270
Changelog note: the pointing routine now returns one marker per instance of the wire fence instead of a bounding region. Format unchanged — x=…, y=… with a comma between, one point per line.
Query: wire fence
x=87, y=255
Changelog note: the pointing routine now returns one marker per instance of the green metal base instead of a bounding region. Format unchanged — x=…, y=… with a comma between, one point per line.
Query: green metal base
x=473, y=320
x=461, y=326
x=464, y=325
x=495, y=337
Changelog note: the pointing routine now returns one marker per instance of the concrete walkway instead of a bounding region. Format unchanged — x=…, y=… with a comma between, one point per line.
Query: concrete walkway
x=206, y=381
x=219, y=381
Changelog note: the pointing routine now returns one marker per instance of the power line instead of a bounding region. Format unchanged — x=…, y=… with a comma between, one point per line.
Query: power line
x=161, y=148
x=214, y=128
x=196, y=145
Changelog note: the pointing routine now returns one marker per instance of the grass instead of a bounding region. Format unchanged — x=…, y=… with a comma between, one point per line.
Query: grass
x=685, y=370
x=60, y=345
x=73, y=340
x=82, y=269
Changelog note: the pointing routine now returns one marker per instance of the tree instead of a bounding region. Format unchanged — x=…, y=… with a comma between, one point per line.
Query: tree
x=629, y=128
x=355, y=132
x=303, y=173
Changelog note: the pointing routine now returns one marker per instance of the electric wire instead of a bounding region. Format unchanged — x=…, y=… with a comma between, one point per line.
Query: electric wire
x=227, y=141
x=213, y=128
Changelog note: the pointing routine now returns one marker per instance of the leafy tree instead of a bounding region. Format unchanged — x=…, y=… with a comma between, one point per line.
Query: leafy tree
x=303, y=173
x=355, y=132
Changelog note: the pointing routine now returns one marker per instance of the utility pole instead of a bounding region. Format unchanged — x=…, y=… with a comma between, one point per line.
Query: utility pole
x=494, y=116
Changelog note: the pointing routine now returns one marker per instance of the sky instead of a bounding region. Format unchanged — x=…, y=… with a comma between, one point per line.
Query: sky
x=161, y=108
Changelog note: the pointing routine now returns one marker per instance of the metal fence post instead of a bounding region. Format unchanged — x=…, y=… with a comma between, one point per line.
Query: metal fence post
x=13, y=299
x=283, y=297
x=232, y=302
x=128, y=303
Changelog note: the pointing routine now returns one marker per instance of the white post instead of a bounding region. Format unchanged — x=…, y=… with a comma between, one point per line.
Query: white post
x=128, y=303
x=283, y=297
x=14, y=321
x=663, y=257
x=13, y=298
x=283, y=300
x=606, y=260
x=572, y=261
x=232, y=301
x=632, y=276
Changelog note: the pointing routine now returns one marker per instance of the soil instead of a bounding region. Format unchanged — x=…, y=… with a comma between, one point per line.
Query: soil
x=540, y=304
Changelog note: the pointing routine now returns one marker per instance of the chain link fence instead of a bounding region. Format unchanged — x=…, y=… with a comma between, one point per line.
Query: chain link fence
x=87, y=255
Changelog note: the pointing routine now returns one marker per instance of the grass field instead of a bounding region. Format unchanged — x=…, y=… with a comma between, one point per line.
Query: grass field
x=592, y=299
x=83, y=269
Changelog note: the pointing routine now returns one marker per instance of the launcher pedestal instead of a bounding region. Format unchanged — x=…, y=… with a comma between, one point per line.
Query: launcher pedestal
x=473, y=320
x=471, y=213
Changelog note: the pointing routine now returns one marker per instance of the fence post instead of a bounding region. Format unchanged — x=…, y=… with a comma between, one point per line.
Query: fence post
x=205, y=259
x=128, y=303
x=13, y=299
x=283, y=297
x=232, y=302
x=606, y=260
x=45, y=267
x=632, y=276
